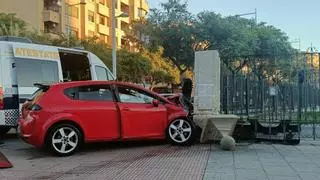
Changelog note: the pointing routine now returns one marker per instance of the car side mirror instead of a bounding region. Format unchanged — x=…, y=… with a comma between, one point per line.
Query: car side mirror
x=155, y=103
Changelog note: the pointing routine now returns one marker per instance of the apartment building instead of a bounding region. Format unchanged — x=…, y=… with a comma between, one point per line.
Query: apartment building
x=82, y=18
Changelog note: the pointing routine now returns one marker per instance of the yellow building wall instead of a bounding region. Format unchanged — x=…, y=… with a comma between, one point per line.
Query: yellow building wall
x=30, y=11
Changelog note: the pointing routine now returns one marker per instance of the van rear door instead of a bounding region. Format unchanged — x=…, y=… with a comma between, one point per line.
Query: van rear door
x=9, y=98
x=76, y=65
x=35, y=64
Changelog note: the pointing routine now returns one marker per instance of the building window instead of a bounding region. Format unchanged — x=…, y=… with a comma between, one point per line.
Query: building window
x=108, y=21
x=102, y=38
x=124, y=8
x=51, y=27
x=91, y=16
x=90, y=33
x=102, y=20
x=73, y=11
x=102, y=2
x=141, y=12
x=108, y=39
x=74, y=32
x=123, y=43
x=124, y=26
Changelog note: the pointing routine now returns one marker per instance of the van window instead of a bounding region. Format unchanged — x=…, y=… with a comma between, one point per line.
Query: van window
x=102, y=73
x=30, y=71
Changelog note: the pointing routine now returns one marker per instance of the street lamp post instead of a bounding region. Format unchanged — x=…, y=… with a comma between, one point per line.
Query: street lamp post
x=246, y=74
x=251, y=13
x=313, y=85
x=114, y=50
x=114, y=38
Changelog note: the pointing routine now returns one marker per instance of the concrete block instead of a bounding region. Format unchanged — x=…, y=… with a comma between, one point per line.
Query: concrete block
x=215, y=126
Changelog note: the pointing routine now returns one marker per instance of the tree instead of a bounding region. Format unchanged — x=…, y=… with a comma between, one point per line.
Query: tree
x=162, y=70
x=242, y=43
x=10, y=25
x=172, y=27
x=132, y=66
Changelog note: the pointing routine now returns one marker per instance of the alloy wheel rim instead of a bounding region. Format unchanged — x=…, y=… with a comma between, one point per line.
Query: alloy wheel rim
x=65, y=140
x=180, y=130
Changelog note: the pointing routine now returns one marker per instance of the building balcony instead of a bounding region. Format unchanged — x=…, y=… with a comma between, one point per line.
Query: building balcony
x=51, y=16
x=126, y=20
x=102, y=29
x=91, y=26
x=120, y=33
x=145, y=5
x=104, y=10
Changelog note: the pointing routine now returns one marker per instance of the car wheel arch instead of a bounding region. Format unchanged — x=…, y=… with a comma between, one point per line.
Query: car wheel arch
x=65, y=121
x=177, y=116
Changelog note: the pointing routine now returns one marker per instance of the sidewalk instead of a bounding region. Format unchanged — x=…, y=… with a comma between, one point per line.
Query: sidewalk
x=158, y=161
x=138, y=161
x=265, y=161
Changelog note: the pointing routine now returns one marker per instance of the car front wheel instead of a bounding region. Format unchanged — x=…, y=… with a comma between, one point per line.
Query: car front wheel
x=181, y=132
x=64, y=140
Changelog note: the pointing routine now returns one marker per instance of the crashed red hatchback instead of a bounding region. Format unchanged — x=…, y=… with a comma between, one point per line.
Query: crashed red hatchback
x=63, y=116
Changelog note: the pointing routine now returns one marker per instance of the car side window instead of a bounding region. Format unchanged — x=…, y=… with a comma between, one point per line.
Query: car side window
x=90, y=93
x=130, y=95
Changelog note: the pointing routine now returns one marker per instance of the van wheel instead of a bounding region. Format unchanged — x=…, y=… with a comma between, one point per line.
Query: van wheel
x=63, y=139
x=181, y=132
x=4, y=130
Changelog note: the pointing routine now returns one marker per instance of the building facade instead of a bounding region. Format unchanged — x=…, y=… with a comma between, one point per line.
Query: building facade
x=82, y=18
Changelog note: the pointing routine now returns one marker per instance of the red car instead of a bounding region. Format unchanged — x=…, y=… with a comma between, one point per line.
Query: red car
x=62, y=116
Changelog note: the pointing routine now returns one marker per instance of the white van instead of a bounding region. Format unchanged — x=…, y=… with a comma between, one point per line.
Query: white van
x=24, y=64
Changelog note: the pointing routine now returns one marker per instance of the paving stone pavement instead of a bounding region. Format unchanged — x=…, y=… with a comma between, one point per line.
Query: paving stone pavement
x=161, y=161
x=118, y=161
x=265, y=161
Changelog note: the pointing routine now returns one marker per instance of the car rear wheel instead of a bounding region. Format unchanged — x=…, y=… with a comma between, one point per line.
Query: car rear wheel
x=64, y=139
x=181, y=132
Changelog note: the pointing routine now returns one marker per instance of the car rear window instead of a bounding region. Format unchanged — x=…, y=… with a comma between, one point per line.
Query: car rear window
x=38, y=94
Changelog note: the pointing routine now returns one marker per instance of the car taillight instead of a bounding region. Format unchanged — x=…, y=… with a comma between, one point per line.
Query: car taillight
x=34, y=107
x=1, y=99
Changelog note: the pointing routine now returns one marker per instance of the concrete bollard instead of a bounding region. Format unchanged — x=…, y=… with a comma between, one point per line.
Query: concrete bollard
x=228, y=143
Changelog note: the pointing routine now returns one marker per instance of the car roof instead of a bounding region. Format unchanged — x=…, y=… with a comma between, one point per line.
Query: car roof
x=90, y=82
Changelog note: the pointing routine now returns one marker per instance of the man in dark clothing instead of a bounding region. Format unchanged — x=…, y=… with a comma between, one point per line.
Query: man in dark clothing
x=185, y=99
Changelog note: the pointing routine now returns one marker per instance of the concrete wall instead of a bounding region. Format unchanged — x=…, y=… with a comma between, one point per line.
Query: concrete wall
x=30, y=11
x=207, y=80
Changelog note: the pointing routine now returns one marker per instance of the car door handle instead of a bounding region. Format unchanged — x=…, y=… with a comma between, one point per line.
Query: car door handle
x=126, y=109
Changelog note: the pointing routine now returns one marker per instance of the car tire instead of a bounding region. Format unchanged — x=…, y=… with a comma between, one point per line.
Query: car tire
x=181, y=131
x=63, y=139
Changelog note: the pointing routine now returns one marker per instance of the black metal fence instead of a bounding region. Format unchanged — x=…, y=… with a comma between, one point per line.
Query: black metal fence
x=255, y=98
